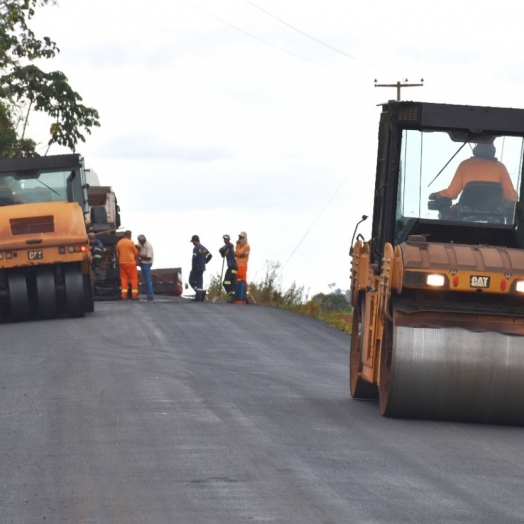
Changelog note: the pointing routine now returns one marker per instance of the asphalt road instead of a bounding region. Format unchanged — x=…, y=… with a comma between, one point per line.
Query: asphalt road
x=180, y=412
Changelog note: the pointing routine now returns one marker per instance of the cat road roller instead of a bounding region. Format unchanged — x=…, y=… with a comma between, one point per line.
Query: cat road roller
x=438, y=289
x=44, y=250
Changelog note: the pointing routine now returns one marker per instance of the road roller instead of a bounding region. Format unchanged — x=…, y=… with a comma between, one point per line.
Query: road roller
x=438, y=288
x=44, y=250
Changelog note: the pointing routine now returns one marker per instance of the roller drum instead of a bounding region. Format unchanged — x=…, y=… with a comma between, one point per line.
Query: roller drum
x=452, y=373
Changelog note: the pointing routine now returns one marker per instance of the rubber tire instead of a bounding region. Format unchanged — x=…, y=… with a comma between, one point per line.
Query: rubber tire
x=74, y=290
x=18, y=296
x=46, y=294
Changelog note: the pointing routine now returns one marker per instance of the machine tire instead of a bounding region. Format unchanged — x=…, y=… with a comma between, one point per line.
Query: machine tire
x=46, y=294
x=359, y=388
x=18, y=296
x=74, y=291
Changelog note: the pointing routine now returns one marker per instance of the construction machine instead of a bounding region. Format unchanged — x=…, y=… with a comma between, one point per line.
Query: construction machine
x=104, y=222
x=438, y=289
x=44, y=250
x=104, y=215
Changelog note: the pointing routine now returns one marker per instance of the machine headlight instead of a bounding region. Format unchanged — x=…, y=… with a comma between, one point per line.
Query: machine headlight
x=436, y=280
x=520, y=286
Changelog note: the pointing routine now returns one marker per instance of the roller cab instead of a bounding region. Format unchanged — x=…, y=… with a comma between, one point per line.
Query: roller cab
x=44, y=250
x=438, y=289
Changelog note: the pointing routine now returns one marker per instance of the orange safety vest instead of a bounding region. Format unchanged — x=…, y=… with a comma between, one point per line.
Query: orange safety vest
x=477, y=169
x=126, y=251
x=242, y=254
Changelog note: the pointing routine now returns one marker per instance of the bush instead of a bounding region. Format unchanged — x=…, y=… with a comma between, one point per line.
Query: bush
x=215, y=289
x=269, y=292
x=332, y=302
x=332, y=308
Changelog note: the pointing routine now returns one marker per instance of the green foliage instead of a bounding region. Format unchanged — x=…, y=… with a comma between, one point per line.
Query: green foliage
x=332, y=302
x=52, y=94
x=332, y=308
x=17, y=40
x=7, y=133
x=24, y=87
x=269, y=290
x=10, y=145
x=341, y=319
x=215, y=289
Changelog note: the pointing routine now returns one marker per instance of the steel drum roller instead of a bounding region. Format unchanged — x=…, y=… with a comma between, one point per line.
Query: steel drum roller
x=452, y=373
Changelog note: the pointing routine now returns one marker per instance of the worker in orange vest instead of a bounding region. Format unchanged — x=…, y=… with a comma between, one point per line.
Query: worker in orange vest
x=127, y=254
x=482, y=167
x=242, y=250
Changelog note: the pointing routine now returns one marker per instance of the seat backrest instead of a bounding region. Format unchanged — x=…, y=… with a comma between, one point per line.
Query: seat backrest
x=482, y=197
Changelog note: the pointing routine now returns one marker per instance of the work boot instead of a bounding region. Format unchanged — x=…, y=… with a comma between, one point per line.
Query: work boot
x=203, y=295
x=198, y=296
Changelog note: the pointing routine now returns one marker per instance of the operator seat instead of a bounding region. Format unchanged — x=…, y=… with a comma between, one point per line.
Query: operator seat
x=482, y=202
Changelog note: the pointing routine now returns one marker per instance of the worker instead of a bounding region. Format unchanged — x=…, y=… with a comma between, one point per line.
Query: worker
x=146, y=261
x=242, y=250
x=127, y=254
x=481, y=167
x=228, y=252
x=201, y=256
x=97, y=250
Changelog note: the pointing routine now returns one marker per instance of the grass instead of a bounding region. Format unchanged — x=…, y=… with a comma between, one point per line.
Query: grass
x=331, y=308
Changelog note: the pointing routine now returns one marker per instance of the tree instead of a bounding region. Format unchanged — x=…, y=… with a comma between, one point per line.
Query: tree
x=24, y=87
x=7, y=133
x=332, y=302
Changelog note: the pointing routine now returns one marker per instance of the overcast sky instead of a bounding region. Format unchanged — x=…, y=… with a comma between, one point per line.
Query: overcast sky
x=218, y=117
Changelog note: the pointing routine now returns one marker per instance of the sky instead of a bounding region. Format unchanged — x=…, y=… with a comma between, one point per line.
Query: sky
x=222, y=116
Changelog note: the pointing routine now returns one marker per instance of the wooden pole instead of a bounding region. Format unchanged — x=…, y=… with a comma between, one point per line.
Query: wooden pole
x=399, y=85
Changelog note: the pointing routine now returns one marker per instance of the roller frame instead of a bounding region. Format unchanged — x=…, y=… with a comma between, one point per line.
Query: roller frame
x=359, y=388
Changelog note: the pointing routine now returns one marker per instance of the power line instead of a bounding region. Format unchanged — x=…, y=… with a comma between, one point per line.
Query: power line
x=259, y=39
x=316, y=219
x=308, y=35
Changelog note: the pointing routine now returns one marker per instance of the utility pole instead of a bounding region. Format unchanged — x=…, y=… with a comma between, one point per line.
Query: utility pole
x=399, y=84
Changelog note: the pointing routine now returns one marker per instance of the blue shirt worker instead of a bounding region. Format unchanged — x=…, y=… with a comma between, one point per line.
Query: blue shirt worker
x=201, y=256
x=146, y=261
x=97, y=250
x=228, y=251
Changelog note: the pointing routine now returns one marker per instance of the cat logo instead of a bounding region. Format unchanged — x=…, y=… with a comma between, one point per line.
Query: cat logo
x=482, y=282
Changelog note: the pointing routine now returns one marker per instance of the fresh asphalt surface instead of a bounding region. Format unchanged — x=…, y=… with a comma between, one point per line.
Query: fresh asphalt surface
x=180, y=412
